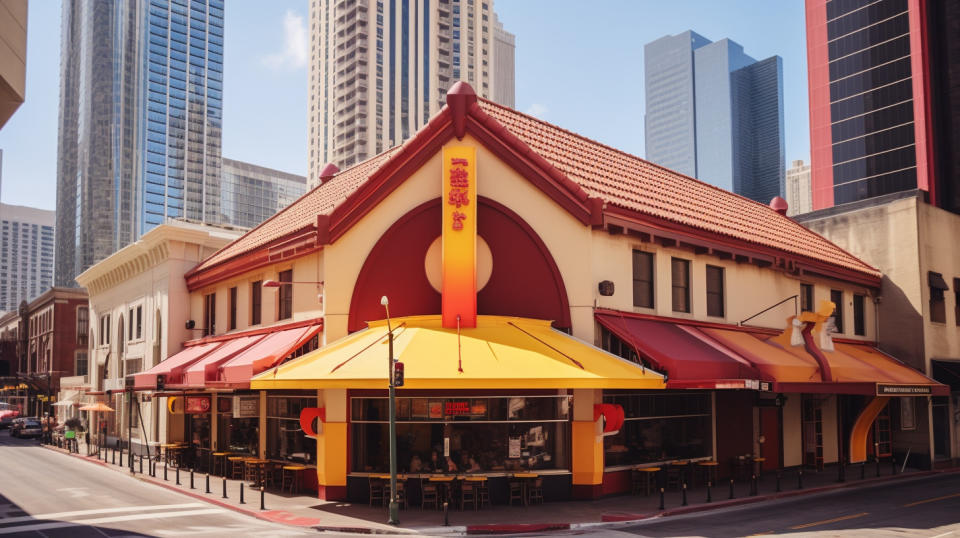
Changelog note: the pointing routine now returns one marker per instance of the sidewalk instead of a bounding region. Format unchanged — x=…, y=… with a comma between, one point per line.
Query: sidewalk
x=306, y=511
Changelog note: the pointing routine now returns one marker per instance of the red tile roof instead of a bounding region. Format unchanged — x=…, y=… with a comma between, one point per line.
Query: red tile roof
x=620, y=179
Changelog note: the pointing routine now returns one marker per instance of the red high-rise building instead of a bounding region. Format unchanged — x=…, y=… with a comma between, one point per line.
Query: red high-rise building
x=884, y=81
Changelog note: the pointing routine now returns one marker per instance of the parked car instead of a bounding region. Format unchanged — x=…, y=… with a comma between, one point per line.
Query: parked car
x=18, y=423
x=30, y=428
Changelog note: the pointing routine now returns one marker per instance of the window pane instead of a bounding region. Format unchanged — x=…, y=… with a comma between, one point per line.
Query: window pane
x=836, y=297
x=680, y=273
x=715, y=291
x=642, y=279
x=859, y=324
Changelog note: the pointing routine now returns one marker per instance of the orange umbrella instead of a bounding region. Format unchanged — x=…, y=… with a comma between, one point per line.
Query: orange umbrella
x=97, y=407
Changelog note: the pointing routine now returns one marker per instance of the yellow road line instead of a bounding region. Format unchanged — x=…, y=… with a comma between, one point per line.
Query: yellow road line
x=824, y=522
x=765, y=533
x=932, y=500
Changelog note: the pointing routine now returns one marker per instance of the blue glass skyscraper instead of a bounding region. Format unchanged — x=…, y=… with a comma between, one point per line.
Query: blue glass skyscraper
x=716, y=114
x=140, y=122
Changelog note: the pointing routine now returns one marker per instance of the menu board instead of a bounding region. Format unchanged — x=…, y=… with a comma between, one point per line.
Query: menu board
x=436, y=409
x=513, y=447
x=418, y=408
x=403, y=408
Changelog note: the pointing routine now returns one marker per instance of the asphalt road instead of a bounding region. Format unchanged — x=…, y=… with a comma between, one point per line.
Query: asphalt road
x=927, y=507
x=46, y=493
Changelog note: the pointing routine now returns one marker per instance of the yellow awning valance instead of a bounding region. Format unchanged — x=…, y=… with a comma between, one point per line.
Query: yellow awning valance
x=500, y=353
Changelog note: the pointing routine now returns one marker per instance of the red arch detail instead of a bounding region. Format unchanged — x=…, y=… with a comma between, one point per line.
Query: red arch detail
x=525, y=281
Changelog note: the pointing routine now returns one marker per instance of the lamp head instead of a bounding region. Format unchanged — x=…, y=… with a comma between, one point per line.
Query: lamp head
x=384, y=301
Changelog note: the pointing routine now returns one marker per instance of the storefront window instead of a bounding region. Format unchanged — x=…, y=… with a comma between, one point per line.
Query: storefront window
x=285, y=439
x=478, y=433
x=239, y=435
x=660, y=428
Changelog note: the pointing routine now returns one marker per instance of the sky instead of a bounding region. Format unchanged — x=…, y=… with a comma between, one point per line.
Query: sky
x=581, y=69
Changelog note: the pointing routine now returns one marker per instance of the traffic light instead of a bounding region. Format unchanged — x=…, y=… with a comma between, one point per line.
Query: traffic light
x=398, y=374
x=161, y=381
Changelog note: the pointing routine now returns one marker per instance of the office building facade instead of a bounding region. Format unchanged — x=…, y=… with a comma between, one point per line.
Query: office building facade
x=715, y=113
x=250, y=194
x=799, y=193
x=26, y=254
x=884, y=81
x=379, y=69
x=140, y=122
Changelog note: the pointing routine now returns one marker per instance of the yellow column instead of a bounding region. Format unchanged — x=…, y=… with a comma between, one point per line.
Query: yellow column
x=587, y=445
x=332, y=445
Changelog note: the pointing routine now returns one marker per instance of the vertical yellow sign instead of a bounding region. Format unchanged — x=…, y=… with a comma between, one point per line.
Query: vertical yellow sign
x=459, y=287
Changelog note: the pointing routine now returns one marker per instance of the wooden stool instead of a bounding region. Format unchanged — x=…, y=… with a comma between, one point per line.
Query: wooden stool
x=535, y=491
x=480, y=489
x=236, y=467
x=709, y=470
x=291, y=474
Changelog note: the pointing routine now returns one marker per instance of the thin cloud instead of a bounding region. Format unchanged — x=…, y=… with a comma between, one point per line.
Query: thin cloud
x=537, y=110
x=296, y=44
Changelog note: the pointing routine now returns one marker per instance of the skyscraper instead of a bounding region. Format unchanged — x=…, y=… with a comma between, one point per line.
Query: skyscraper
x=884, y=81
x=799, y=194
x=379, y=69
x=716, y=114
x=250, y=194
x=26, y=254
x=504, y=65
x=140, y=122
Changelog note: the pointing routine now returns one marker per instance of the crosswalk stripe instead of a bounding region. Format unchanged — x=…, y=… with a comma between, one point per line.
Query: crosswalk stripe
x=113, y=519
x=118, y=510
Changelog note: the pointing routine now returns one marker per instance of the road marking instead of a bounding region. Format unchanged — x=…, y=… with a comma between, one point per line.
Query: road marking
x=114, y=519
x=944, y=534
x=826, y=521
x=931, y=500
x=62, y=515
x=764, y=533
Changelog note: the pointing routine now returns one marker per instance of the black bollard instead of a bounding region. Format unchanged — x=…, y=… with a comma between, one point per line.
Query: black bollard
x=262, y=506
x=661, y=498
x=709, y=497
x=800, y=479
x=446, y=514
x=208, y=484
x=164, y=471
x=731, y=488
x=113, y=458
x=753, y=485
x=778, y=480
x=121, y=457
x=141, y=465
x=191, y=479
x=684, y=495
x=178, y=476
x=224, y=487
x=241, y=493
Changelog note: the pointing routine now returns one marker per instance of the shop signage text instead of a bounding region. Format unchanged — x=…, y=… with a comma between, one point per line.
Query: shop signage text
x=903, y=390
x=457, y=408
x=197, y=404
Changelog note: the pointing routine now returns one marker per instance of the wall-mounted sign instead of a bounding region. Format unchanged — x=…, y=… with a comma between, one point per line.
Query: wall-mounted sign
x=197, y=404
x=246, y=406
x=224, y=405
x=453, y=408
x=459, y=254
x=436, y=409
x=903, y=390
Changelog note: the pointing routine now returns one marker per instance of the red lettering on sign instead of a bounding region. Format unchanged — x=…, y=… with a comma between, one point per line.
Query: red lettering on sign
x=457, y=408
x=458, y=161
x=458, y=219
x=458, y=197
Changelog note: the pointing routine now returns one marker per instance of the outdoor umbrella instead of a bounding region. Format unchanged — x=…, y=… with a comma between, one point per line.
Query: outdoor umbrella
x=97, y=407
x=64, y=403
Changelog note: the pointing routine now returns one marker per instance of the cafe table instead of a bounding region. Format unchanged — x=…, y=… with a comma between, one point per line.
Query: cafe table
x=220, y=462
x=445, y=485
x=709, y=470
x=526, y=480
x=173, y=453
x=254, y=469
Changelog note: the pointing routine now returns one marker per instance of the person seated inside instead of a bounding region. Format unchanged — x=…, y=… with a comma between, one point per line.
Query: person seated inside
x=464, y=459
x=436, y=466
x=415, y=464
x=473, y=466
x=451, y=466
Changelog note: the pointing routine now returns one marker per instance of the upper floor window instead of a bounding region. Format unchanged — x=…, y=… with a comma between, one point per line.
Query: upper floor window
x=806, y=297
x=938, y=302
x=83, y=326
x=105, y=330
x=715, y=301
x=680, y=276
x=209, y=314
x=232, y=308
x=256, y=297
x=139, y=321
x=642, y=279
x=859, y=323
x=285, y=295
x=131, y=326
x=81, y=363
x=836, y=297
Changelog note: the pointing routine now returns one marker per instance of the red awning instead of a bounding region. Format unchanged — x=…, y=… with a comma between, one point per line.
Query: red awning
x=263, y=355
x=205, y=369
x=688, y=357
x=173, y=366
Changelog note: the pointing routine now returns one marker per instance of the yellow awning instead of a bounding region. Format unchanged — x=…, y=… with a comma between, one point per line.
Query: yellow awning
x=501, y=353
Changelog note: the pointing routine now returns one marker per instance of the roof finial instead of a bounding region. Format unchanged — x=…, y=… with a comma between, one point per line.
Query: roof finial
x=329, y=170
x=459, y=98
x=779, y=205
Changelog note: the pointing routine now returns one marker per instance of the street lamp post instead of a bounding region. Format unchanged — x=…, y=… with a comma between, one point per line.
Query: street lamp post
x=394, y=505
